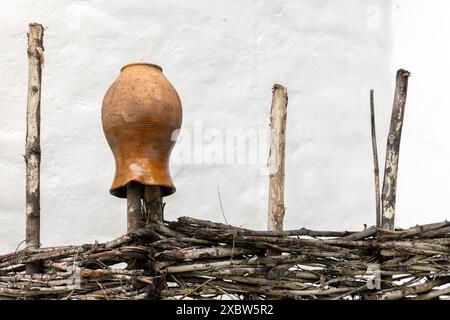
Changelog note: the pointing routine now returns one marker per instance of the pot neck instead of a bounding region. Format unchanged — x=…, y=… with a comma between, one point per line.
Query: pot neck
x=141, y=64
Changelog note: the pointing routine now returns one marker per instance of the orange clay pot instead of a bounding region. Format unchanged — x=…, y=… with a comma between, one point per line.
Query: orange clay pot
x=141, y=115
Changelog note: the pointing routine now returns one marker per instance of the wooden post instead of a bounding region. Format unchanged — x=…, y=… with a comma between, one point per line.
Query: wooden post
x=153, y=204
x=376, y=170
x=392, y=151
x=32, y=148
x=134, y=211
x=278, y=113
x=134, y=215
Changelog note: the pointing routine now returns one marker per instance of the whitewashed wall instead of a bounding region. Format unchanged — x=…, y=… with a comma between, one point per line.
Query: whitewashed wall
x=421, y=45
x=223, y=58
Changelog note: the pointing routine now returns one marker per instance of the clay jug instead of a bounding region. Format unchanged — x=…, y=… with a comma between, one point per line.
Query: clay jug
x=141, y=116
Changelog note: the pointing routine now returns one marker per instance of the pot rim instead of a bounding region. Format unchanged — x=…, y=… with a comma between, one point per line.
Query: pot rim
x=141, y=63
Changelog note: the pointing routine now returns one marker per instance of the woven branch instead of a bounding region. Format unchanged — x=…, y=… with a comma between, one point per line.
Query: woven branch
x=191, y=258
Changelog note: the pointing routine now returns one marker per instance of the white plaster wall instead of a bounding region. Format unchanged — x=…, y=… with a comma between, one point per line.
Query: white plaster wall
x=223, y=57
x=420, y=38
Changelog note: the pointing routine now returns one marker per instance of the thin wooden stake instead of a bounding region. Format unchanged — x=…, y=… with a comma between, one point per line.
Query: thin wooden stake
x=134, y=215
x=134, y=210
x=376, y=170
x=392, y=151
x=278, y=113
x=32, y=148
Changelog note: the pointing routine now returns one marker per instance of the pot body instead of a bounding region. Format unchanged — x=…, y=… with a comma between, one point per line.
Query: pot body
x=141, y=116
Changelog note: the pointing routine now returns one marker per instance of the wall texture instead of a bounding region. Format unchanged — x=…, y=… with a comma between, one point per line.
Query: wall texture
x=223, y=58
x=420, y=45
